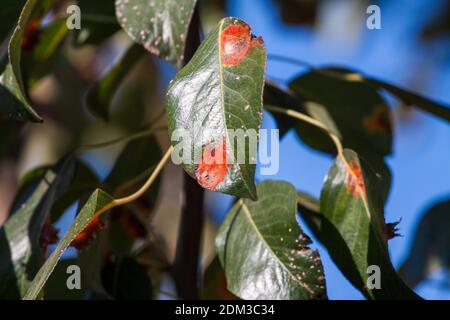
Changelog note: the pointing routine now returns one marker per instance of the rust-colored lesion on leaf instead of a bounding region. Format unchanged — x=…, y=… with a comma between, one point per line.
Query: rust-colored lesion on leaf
x=84, y=237
x=379, y=121
x=213, y=166
x=354, y=180
x=235, y=43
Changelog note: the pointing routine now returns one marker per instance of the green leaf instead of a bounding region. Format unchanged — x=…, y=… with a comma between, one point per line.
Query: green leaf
x=83, y=184
x=98, y=22
x=264, y=252
x=39, y=61
x=429, y=251
x=161, y=26
x=132, y=167
x=91, y=263
x=408, y=97
x=15, y=101
x=99, y=200
x=100, y=95
x=20, y=254
x=357, y=109
x=354, y=230
x=216, y=94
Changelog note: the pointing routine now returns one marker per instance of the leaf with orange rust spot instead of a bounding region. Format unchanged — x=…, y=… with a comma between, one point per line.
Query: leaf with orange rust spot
x=215, y=100
x=213, y=166
x=85, y=236
x=98, y=200
x=353, y=229
x=355, y=180
x=27, y=232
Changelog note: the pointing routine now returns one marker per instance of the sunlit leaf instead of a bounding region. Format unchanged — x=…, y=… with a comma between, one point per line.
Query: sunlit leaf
x=219, y=91
x=21, y=254
x=354, y=230
x=263, y=251
x=430, y=247
x=161, y=26
x=97, y=201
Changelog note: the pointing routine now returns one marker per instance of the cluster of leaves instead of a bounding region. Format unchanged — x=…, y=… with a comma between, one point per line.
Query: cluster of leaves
x=261, y=248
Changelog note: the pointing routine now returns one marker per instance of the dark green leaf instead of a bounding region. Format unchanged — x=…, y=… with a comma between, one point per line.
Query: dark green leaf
x=98, y=22
x=161, y=26
x=357, y=109
x=264, y=252
x=15, y=101
x=20, y=254
x=91, y=263
x=39, y=60
x=8, y=16
x=430, y=248
x=56, y=288
x=126, y=279
x=97, y=201
x=220, y=92
x=353, y=228
x=410, y=98
x=83, y=184
x=100, y=95
x=134, y=165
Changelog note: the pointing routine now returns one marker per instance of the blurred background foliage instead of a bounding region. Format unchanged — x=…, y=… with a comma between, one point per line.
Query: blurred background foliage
x=93, y=85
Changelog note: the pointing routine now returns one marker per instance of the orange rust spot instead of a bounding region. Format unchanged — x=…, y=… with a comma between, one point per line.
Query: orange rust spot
x=379, y=120
x=355, y=181
x=213, y=166
x=85, y=236
x=235, y=42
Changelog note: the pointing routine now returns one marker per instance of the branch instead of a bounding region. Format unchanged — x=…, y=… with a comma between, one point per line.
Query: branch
x=186, y=265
